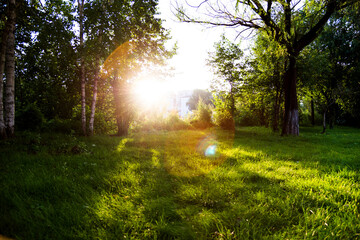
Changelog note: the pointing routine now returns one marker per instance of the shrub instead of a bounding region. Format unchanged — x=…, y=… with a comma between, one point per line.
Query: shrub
x=104, y=124
x=159, y=122
x=223, y=119
x=248, y=118
x=63, y=126
x=173, y=122
x=202, y=118
x=30, y=118
x=222, y=114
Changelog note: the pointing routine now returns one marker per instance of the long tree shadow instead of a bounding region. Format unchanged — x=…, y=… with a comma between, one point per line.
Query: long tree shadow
x=334, y=151
x=125, y=189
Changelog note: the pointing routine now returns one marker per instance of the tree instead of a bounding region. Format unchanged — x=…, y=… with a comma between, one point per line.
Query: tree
x=263, y=82
x=95, y=28
x=286, y=22
x=7, y=59
x=82, y=64
x=47, y=72
x=5, y=34
x=226, y=62
x=198, y=94
x=136, y=39
x=326, y=66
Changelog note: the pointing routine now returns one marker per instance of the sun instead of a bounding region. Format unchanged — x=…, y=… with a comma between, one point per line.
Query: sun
x=150, y=93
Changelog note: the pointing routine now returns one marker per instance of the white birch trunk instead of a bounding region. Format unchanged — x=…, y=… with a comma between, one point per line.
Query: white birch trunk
x=82, y=66
x=2, y=67
x=93, y=102
x=10, y=72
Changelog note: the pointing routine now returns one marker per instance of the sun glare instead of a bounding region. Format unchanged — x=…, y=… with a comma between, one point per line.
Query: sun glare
x=151, y=93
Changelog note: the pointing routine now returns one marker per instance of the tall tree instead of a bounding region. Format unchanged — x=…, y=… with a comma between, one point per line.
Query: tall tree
x=82, y=65
x=327, y=65
x=134, y=40
x=10, y=70
x=95, y=27
x=5, y=34
x=47, y=72
x=293, y=24
x=198, y=94
x=264, y=79
x=226, y=62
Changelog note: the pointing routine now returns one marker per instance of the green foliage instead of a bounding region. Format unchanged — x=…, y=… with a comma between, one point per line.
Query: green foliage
x=104, y=123
x=327, y=67
x=261, y=97
x=30, y=118
x=66, y=126
x=159, y=186
x=202, y=116
x=198, y=94
x=173, y=122
x=223, y=119
x=227, y=64
x=222, y=115
x=48, y=53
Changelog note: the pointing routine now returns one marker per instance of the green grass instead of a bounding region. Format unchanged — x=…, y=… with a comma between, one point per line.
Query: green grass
x=160, y=185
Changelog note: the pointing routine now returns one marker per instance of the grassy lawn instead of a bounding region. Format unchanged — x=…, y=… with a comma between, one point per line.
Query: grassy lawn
x=250, y=185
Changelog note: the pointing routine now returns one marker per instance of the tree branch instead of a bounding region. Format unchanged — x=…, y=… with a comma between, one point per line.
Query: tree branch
x=315, y=31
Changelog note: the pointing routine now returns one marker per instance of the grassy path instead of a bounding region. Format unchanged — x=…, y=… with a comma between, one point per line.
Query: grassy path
x=251, y=185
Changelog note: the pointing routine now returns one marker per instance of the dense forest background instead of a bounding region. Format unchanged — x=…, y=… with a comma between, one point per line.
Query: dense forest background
x=68, y=66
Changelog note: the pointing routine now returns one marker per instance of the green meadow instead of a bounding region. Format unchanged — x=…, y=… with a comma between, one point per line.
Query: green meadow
x=251, y=184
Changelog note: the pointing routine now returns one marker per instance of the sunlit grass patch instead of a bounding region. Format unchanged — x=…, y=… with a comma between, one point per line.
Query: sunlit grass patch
x=161, y=185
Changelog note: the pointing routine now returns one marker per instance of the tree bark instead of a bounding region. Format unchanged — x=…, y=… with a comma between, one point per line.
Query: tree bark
x=93, y=102
x=2, y=68
x=332, y=117
x=275, y=123
x=121, y=114
x=291, y=114
x=10, y=72
x=82, y=66
x=312, y=111
x=232, y=100
x=324, y=122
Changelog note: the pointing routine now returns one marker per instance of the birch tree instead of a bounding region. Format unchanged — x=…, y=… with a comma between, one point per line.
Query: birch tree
x=4, y=38
x=8, y=59
x=82, y=65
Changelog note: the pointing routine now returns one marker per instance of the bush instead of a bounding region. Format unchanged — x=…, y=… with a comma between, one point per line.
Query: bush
x=223, y=119
x=103, y=124
x=248, y=118
x=173, y=122
x=158, y=123
x=63, y=126
x=202, y=118
x=30, y=118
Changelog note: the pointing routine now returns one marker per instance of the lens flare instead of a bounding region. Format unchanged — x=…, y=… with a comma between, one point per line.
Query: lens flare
x=208, y=146
x=210, y=151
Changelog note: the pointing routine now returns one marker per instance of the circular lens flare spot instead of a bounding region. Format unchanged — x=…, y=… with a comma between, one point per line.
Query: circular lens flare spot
x=210, y=151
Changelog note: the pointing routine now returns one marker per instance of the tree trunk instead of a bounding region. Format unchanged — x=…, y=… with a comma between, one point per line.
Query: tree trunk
x=2, y=67
x=332, y=117
x=10, y=72
x=324, y=122
x=96, y=79
x=291, y=115
x=232, y=101
x=82, y=66
x=93, y=102
x=121, y=114
x=275, y=123
x=312, y=112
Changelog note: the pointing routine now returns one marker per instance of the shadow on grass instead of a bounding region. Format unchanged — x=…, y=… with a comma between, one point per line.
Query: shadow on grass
x=336, y=150
x=122, y=188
